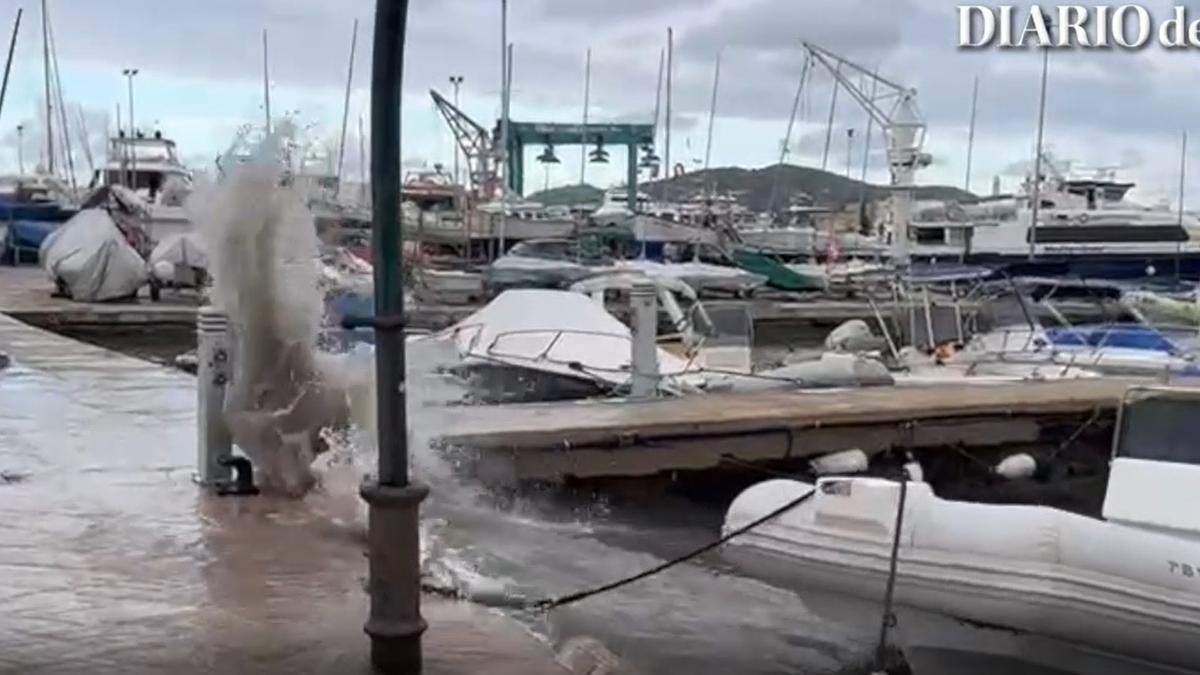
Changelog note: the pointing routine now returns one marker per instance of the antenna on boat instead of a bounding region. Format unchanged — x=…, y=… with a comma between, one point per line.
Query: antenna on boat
x=832, y=111
x=787, y=135
x=12, y=45
x=583, y=138
x=266, y=84
x=346, y=110
x=971, y=133
x=46, y=77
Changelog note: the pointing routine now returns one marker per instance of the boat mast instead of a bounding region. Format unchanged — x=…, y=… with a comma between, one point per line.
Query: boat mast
x=1182, y=186
x=362, y=164
x=712, y=112
x=1037, y=158
x=787, y=135
x=832, y=112
x=346, y=108
x=667, y=121
x=266, y=84
x=68, y=155
x=12, y=45
x=46, y=77
x=971, y=133
x=83, y=134
x=502, y=146
x=662, y=62
x=583, y=138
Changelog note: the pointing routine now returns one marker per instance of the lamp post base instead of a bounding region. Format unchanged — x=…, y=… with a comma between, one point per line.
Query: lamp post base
x=395, y=624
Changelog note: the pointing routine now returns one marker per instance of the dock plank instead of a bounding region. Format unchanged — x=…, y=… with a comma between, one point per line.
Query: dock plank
x=566, y=425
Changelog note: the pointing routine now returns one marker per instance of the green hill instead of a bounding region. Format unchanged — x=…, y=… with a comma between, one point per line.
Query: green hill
x=753, y=188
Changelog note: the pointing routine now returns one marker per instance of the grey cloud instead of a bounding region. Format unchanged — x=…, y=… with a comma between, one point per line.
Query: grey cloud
x=615, y=10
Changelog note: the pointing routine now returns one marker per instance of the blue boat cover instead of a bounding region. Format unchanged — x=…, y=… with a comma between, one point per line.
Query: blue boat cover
x=1121, y=336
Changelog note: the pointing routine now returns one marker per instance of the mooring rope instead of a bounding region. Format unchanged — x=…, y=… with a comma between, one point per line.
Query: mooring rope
x=888, y=619
x=507, y=601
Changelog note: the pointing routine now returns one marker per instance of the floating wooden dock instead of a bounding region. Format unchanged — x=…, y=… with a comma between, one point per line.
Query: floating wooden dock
x=606, y=439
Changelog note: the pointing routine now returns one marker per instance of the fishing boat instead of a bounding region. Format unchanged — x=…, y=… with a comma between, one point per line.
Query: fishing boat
x=982, y=588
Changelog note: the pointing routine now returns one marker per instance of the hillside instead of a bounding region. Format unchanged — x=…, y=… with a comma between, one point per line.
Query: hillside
x=568, y=195
x=753, y=188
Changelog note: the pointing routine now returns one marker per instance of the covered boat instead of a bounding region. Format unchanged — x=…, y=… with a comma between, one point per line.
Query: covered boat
x=984, y=588
x=703, y=277
x=180, y=260
x=90, y=259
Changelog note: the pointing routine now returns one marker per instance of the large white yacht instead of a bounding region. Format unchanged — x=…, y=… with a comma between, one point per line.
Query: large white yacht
x=1085, y=227
x=150, y=166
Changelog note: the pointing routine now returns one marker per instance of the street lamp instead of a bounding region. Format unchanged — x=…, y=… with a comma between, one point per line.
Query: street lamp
x=21, y=149
x=456, y=82
x=129, y=74
x=394, y=576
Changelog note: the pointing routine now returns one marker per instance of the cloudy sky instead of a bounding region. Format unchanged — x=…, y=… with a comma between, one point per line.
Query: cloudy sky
x=200, y=78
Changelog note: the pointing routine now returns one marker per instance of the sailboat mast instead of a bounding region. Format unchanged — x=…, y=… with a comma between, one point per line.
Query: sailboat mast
x=266, y=83
x=712, y=112
x=787, y=136
x=12, y=45
x=662, y=60
x=346, y=107
x=832, y=112
x=362, y=163
x=68, y=155
x=971, y=133
x=46, y=77
x=667, y=121
x=1182, y=186
x=583, y=138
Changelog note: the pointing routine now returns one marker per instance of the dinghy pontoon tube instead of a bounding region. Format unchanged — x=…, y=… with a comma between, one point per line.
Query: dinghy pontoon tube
x=1010, y=588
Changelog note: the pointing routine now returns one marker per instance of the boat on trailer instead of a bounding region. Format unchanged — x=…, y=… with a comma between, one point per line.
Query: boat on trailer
x=982, y=588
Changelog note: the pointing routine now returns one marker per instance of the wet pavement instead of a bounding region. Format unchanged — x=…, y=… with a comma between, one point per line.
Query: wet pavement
x=113, y=561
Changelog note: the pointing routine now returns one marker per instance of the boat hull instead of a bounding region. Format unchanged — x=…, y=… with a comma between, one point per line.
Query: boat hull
x=1117, y=266
x=999, y=584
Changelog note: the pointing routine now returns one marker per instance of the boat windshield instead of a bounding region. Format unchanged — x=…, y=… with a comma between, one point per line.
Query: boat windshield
x=1159, y=425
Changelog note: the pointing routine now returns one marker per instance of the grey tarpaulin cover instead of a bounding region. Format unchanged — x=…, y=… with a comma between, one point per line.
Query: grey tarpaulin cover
x=92, y=258
x=185, y=250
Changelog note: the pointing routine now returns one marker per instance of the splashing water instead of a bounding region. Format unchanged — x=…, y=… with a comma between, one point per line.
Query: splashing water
x=307, y=419
x=263, y=253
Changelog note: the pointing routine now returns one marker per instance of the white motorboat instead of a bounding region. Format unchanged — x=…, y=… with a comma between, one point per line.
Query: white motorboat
x=1004, y=588
x=548, y=345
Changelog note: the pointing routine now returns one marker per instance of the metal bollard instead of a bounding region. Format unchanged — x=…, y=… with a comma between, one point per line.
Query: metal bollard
x=213, y=372
x=644, y=359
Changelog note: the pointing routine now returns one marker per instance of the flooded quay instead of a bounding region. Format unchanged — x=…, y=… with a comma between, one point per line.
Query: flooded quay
x=114, y=561
x=119, y=563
